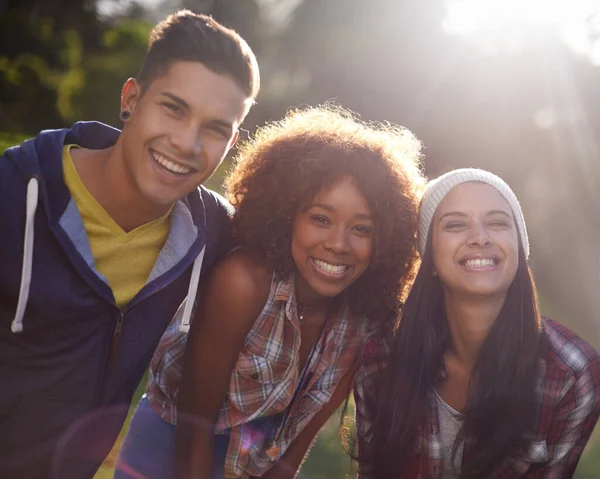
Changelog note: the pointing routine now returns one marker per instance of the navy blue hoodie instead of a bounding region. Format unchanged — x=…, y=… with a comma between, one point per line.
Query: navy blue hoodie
x=70, y=359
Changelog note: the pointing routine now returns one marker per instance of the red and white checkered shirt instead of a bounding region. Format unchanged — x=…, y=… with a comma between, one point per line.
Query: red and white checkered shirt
x=264, y=379
x=569, y=406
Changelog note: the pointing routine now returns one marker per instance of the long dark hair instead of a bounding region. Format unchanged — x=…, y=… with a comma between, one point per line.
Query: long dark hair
x=501, y=397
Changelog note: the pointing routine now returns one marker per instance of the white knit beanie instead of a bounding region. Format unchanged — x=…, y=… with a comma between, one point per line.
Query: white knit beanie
x=437, y=190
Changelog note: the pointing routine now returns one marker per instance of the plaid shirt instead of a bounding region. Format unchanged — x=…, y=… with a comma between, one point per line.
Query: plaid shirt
x=264, y=380
x=568, y=409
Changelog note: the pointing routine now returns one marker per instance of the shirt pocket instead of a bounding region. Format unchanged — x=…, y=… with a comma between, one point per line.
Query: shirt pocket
x=253, y=382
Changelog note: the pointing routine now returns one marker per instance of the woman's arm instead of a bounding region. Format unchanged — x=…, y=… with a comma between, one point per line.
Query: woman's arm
x=289, y=464
x=234, y=296
x=577, y=415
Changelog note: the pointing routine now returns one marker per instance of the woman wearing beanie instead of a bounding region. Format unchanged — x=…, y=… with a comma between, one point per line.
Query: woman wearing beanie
x=474, y=383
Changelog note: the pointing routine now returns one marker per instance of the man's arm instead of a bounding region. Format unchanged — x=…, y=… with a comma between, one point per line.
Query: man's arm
x=578, y=413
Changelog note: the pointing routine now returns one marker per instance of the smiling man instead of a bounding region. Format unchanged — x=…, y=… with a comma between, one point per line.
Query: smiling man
x=104, y=234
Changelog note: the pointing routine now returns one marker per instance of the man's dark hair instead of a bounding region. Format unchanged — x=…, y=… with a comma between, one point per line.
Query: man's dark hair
x=187, y=36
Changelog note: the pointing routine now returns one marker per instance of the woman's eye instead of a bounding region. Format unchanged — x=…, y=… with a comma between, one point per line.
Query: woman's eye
x=454, y=225
x=498, y=224
x=364, y=230
x=320, y=219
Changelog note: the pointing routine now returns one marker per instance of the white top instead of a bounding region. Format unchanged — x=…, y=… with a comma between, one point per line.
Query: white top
x=450, y=423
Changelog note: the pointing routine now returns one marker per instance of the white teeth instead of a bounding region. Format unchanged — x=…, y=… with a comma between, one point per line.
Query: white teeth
x=169, y=165
x=479, y=263
x=330, y=268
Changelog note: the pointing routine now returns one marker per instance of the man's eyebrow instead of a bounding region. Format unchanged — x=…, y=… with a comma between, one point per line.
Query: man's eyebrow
x=184, y=104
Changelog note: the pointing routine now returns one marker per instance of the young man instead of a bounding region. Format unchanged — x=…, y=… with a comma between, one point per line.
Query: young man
x=104, y=233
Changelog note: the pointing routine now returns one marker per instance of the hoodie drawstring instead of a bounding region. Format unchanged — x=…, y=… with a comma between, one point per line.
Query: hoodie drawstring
x=184, y=326
x=31, y=206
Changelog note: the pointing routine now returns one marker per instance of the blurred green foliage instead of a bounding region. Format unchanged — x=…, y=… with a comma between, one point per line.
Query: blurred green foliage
x=10, y=139
x=121, y=55
x=55, y=79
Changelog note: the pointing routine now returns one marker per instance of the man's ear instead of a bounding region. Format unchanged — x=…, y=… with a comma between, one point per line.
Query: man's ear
x=130, y=94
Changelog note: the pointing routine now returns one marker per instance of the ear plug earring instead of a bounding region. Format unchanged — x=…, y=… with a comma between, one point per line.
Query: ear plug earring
x=125, y=115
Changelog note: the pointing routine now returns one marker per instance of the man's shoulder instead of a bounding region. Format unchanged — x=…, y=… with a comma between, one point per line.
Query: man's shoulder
x=49, y=143
x=217, y=214
x=92, y=134
x=214, y=200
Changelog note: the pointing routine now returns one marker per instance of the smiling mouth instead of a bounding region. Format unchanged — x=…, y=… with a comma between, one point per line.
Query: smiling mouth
x=170, y=166
x=331, y=269
x=479, y=263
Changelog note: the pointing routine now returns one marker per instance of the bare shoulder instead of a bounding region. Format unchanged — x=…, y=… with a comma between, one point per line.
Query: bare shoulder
x=241, y=278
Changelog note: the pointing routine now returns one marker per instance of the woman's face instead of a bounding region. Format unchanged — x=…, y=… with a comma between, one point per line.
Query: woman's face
x=475, y=241
x=332, y=241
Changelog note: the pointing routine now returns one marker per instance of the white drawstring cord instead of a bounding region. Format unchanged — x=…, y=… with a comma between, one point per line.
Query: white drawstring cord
x=184, y=326
x=31, y=206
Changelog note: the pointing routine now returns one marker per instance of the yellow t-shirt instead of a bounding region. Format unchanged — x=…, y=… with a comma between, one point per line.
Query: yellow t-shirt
x=124, y=258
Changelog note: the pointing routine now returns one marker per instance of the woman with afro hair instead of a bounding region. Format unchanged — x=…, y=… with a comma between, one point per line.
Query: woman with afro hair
x=325, y=220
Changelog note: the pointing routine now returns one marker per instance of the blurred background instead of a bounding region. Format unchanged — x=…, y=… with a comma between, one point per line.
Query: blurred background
x=512, y=86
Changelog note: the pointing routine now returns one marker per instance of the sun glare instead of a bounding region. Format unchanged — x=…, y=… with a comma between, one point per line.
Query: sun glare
x=576, y=22
x=467, y=16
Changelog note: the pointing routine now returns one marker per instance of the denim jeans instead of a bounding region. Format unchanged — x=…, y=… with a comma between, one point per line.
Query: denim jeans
x=148, y=451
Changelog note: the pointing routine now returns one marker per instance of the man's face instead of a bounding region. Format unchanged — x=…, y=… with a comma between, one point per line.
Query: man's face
x=179, y=131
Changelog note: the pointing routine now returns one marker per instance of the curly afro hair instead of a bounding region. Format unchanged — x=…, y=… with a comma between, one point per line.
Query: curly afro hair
x=279, y=171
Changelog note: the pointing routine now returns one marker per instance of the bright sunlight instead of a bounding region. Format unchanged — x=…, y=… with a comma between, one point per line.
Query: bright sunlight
x=577, y=22
x=467, y=16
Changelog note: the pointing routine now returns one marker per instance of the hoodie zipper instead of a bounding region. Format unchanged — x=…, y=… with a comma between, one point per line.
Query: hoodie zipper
x=116, y=339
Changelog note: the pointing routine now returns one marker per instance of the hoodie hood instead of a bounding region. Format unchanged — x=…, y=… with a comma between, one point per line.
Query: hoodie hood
x=39, y=161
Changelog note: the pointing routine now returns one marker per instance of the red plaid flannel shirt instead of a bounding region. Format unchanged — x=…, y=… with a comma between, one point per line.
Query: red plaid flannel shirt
x=264, y=379
x=569, y=406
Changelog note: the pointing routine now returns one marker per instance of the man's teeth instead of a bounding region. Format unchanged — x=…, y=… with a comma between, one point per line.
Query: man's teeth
x=169, y=165
x=479, y=263
x=330, y=268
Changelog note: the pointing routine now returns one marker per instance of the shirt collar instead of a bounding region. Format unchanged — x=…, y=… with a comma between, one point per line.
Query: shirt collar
x=286, y=291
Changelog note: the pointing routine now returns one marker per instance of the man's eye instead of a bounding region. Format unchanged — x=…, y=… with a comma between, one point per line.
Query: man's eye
x=171, y=106
x=220, y=132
